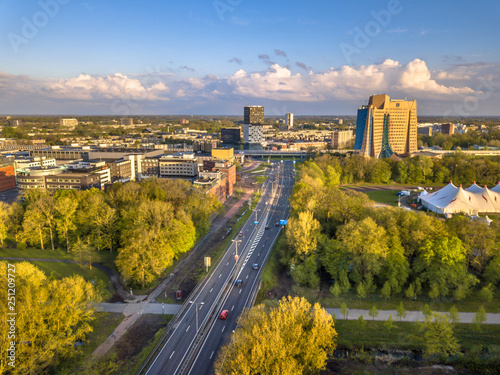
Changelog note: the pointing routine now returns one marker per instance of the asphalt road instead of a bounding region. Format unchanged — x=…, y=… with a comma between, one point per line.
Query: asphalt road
x=219, y=291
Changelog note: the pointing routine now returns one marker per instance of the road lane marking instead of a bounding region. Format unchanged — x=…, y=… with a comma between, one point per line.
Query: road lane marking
x=223, y=328
x=211, y=290
x=246, y=277
x=200, y=307
x=259, y=253
x=227, y=263
x=171, y=354
x=220, y=275
x=188, y=328
x=211, y=355
x=240, y=290
x=232, y=308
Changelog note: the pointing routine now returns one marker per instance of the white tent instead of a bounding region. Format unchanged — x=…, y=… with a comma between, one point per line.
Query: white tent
x=452, y=199
x=422, y=194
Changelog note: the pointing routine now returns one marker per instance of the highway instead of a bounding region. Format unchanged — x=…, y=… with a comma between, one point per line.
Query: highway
x=198, y=332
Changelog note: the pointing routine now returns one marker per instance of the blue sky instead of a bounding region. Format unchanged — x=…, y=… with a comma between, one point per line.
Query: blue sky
x=214, y=57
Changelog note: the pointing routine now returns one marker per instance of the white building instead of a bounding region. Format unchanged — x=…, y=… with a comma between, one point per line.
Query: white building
x=253, y=133
x=182, y=164
x=69, y=123
x=35, y=162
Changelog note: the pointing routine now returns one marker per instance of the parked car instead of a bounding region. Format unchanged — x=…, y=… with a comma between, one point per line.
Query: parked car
x=255, y=266
x=223, y=314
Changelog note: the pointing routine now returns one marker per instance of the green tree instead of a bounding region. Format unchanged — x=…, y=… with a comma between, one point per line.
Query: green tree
x=294, y=338
x=426, y=311
x=454, y=315
x=401, y=311
x=65, y=207
x=386, y=290
x=373, y=312
x=336, y=289
x=360, y=290
x=344, y=310
x=51, y=316
x=479, y=318
x=438, y=336
x=410, y=292
x=302, y=233
x=389, y=323
x=4, y=219
x=486, y=293
x=361, y=323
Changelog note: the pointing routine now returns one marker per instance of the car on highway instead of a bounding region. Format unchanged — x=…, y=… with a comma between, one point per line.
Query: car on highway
x=277, y=224
x=240, y=234
x=239, y=282
x=267, y=227
x=223, y=314
x=255, y=266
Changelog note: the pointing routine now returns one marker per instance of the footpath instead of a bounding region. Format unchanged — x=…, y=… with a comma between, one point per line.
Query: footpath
x=354, y=314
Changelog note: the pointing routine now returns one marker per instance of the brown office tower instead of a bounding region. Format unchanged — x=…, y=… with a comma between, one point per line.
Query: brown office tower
x=386, y=126
x=253, y=115
x=447, y=129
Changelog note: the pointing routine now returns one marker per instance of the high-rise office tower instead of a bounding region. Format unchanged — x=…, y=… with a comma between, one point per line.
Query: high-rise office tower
x=289, y=120
x=253, y=115
x=386, y=126
x=253, y=118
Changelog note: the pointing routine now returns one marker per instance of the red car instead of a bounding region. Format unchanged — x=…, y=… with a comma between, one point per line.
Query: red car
x=223, y=314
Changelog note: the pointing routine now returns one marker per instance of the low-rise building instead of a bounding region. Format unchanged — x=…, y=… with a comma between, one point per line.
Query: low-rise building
x=7, y=173
x=182, y=164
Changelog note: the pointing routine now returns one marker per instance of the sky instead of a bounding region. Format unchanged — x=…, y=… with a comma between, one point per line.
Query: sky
x=213, y=57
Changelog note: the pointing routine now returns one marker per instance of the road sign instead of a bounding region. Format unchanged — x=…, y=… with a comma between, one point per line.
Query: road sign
x=256, y=222
x=207, y=262
x=283, y=222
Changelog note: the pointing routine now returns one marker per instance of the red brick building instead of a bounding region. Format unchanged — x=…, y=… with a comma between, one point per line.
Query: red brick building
x=7, y=177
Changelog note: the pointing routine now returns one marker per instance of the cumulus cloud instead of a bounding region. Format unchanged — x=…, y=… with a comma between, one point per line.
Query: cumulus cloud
x=345, y=84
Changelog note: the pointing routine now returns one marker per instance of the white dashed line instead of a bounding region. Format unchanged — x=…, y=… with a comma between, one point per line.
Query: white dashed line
x=223, y=328
x=232, y=308
x=211, y=290
x=220, y=275
x=246, y=277
x=188, y=328
x=171, y=354
x=211, y=355
x=240, y=291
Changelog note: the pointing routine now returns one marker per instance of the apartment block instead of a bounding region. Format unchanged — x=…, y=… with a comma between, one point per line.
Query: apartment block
x=340, y=138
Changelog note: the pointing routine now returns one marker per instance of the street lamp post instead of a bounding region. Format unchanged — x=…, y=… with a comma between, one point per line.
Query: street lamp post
x=236, y=242
x=196, y=305
x=256, y=221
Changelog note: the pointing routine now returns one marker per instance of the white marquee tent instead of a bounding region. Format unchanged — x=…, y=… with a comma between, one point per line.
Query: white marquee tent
x=452, y=199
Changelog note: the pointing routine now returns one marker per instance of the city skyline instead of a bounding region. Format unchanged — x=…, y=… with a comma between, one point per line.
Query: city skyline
x=64, y=57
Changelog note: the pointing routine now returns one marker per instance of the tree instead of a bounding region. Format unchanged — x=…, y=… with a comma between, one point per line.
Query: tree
x=426, y=312
x=4, y=219
x=34, y=230
x=344, y=310
x=360, y=290
x=302, y=233
x=486, y=293
x=389, y=323
x=294, y=338
x=479, y=318
x=401, y=312
x=84, y=253
x=386, y=290
x=373, y=312
x=438, y=336
x=410, y=292
x=65, y=207
x=336, y=289
x=361, y=322
x=51, y=316
x=454, y=315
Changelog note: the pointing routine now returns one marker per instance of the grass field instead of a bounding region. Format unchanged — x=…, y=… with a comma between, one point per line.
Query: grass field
x=383, y=196
x=104, y=257
x=102, y=326
x=405, y=335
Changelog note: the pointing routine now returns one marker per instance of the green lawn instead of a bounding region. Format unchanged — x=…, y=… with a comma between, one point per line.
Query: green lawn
x=261, y=179
x=102, y=326
x=383, y=196
x=59, y=270
x=104, y=257
x=406, y=335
